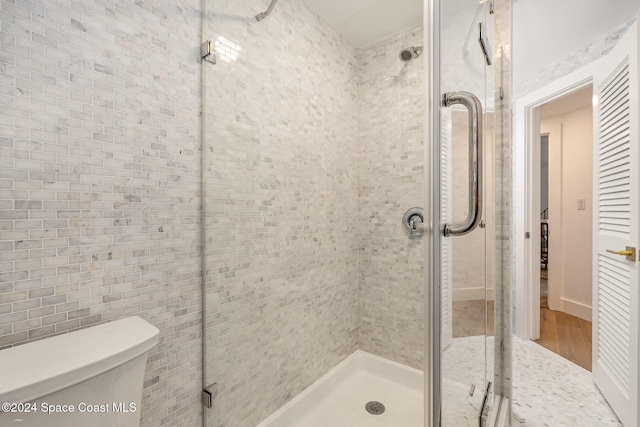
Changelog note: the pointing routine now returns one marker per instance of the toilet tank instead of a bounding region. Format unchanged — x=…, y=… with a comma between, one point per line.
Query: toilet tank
x=91, y=377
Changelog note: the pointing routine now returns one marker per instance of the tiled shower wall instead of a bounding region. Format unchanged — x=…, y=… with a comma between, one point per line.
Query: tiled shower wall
x=100, y=180
x=281, y=203
x=391, y=180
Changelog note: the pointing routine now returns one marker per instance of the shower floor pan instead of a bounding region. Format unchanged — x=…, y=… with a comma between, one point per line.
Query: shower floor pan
x=339, y=398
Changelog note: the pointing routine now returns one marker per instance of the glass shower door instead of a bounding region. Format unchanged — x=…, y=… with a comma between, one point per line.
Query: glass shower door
x=466, y=200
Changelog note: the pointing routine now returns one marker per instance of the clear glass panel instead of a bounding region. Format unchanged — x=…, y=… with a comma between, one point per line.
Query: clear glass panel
x=500, y=211
x=468, y=261
x=313, y=150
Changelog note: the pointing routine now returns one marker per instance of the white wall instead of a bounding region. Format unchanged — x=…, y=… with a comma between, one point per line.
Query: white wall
x=544, y=173
x=546, y=31
x=570, y=167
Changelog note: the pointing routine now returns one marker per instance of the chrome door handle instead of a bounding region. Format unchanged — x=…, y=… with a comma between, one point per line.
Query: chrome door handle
x=474, y=106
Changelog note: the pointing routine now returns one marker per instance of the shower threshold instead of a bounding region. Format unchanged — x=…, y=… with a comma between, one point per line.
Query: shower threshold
x=342, y=396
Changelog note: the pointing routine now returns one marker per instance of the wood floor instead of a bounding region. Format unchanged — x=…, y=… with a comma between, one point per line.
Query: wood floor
x=566, y=335
x=562, y=333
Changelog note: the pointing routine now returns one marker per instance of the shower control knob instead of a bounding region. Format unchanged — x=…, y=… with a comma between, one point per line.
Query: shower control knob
x=413, y=222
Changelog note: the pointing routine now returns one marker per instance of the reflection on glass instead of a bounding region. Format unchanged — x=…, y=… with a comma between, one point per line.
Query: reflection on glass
x=468, y=278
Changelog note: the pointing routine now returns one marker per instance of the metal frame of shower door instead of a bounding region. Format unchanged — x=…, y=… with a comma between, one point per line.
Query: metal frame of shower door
x=432, y=218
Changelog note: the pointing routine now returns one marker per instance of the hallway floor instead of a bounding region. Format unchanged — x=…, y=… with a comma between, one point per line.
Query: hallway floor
x=566, y=335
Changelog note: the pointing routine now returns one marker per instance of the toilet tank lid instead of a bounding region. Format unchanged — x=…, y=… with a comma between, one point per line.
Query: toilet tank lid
x=39, y=368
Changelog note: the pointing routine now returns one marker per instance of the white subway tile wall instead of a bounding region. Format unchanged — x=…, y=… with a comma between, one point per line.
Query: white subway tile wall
x=391, y=180
x=281, y=202
x=100, y=181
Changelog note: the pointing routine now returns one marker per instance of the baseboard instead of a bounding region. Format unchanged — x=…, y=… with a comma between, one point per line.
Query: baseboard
x=470, y=294
x=577, y=309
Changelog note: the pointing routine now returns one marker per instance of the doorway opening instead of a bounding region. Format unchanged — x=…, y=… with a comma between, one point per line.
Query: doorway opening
x=564, y=196
x=614, y=270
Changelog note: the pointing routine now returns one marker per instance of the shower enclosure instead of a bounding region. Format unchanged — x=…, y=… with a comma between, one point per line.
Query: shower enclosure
x=469, y=215
x=317, y=143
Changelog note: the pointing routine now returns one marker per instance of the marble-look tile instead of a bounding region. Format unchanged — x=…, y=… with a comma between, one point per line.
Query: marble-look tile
x=548, y=390
x=100, y=181
x=465, y=364
x=391, y=180
x=281, y=203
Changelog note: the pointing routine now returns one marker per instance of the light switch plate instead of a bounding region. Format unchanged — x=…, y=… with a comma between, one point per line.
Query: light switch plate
x=582, y=204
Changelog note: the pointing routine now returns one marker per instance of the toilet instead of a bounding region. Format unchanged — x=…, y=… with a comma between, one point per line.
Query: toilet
x=91, y=377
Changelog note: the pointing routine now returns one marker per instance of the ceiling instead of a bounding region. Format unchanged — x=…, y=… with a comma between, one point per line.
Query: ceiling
x=571, y=102
x=366, y=21
x=543, y=30
x=546, y=30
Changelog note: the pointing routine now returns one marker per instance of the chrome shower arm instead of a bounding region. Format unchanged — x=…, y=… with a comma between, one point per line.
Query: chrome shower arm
x=261, y=16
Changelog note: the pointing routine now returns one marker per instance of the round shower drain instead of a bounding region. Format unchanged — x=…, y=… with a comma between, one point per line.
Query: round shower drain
x=374, y=407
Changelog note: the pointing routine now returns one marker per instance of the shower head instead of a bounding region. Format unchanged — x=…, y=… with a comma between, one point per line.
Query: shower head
x=408, y=54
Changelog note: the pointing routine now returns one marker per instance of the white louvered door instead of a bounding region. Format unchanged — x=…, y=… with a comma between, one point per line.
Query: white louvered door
x=615, y=295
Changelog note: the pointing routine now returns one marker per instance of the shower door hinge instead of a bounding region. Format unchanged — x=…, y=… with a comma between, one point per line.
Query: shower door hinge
x=484, y=44
x=208, y=52
x=486, y=405
x=208, y=394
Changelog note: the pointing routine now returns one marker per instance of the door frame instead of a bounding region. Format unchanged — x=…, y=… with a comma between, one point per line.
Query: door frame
x=526, y=179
